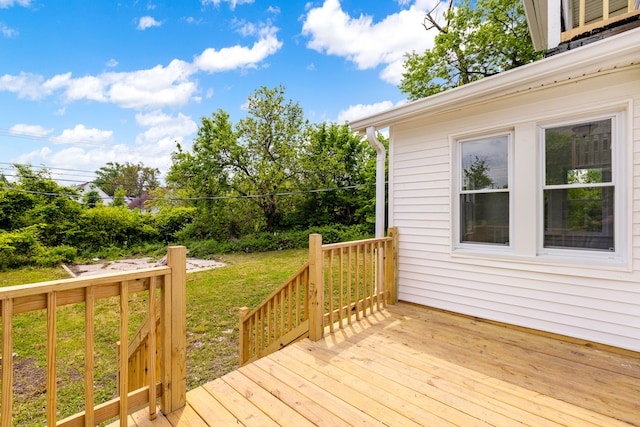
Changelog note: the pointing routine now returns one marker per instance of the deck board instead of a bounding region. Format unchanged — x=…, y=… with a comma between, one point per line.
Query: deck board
x=409, y=365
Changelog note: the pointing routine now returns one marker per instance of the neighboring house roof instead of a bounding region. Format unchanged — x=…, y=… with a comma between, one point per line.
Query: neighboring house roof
x=138, y=202
x=87, y=187
x=608, y=54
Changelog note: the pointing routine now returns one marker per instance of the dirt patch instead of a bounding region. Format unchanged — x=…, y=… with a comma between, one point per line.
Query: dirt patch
x=102, y=267
x=29, y=379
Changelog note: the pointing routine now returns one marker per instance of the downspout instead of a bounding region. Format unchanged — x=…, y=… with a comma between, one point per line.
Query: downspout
x=380, y=181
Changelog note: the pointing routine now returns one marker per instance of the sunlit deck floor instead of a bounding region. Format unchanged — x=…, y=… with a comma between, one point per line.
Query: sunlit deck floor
x=411, y=366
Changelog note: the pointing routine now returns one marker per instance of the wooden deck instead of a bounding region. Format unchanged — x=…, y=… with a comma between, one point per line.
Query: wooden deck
x=409, y=366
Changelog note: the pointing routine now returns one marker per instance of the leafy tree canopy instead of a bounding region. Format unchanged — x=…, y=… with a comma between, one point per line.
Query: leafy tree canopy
x=257, y=159
x=134, y=179
x=475, y=39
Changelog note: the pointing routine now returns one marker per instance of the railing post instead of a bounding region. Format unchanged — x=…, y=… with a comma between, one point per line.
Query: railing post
x=316, y=288
x=244, y=337
x=174, y=332
x=391, y=278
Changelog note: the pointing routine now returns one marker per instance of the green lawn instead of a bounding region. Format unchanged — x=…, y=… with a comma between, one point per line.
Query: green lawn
x=213, y=301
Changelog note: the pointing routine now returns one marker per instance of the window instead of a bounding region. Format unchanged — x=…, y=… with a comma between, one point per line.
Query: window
x=484, y=201
x=579, y=190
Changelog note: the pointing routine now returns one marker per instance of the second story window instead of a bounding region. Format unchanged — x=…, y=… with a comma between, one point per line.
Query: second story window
x=577, y=14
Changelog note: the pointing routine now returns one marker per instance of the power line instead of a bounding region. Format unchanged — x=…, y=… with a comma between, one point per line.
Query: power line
x=57, y=179
x=178, y=199
x=44, y=138
x=45, y=167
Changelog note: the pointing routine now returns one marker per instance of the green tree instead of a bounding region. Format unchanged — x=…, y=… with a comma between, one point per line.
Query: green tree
x=243, y=168
x=266, y=160
x=475, y=39
x=118, y=197
x=92, y=199
x=37, y=200
x=334, y=158
x=202, y=174
x=134, y=179
x=476, y=175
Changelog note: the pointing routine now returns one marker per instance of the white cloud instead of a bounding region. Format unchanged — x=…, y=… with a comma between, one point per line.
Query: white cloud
x=153, y=147
x=6, y=31
x=83, y=135
x=161, y=86
x=22, y=129
x=163, y=128
x=89, y=87
x=246, y=28
x=25, y=85
x=229, y=58
x=112, y=63
x=9, y=3
x=366, y=43
x=156, y=87
x=359, y=111
x=147, y=22
x=232, y=3
x=192, y=20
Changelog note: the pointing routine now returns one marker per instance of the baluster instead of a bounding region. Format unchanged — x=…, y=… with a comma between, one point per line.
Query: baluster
x=124, y=352
x=7, y=361
x=89, y=351
x=151, y=353
x=51, y=359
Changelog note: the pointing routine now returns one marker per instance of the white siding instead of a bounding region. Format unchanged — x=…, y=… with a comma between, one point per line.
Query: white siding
x=599, y=303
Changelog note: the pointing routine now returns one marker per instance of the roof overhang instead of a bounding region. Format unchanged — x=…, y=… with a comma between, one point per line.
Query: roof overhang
x=615, y=52
x=537, y=13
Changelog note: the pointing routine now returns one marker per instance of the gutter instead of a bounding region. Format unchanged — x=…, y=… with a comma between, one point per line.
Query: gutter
x=381, y=155
x=609, y=55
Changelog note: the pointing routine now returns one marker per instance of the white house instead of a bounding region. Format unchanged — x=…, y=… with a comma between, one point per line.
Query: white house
x=85, y=188
x=517, y=197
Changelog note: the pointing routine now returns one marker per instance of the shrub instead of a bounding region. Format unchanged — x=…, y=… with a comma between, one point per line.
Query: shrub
x=291, y=239
x=51, y=257
x=19, y=247
x=106, y=226
x=171, y=221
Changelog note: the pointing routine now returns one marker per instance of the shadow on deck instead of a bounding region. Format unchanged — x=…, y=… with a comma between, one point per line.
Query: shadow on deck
x=410, y=365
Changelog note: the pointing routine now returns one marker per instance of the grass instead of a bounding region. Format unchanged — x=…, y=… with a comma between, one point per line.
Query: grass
x=214, y=299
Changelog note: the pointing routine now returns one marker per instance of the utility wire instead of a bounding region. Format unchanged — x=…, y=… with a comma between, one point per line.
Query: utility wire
x=176, y=199
x=45, y=138
x=11, y=166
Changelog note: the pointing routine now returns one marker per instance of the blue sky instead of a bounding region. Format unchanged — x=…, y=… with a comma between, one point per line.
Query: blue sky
x=84, y=82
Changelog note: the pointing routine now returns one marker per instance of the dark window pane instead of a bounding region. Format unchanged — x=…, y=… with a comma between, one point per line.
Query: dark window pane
x=484, y=218
x=579, y=218
x=578, y=153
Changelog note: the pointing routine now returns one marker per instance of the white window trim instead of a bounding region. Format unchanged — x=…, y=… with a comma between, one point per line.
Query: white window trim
x=477, y=247
x=618, y=180
x=528, y=251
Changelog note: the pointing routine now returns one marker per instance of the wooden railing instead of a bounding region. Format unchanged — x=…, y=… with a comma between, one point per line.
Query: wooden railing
x=140, y=347
x=280, y=319
x=589, y=16
x=170, y=305
x=340, y=283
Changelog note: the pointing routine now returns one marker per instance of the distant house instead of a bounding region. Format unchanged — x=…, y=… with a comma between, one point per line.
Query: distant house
x=517, y=197
x=139, y=203
x=88, y=187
